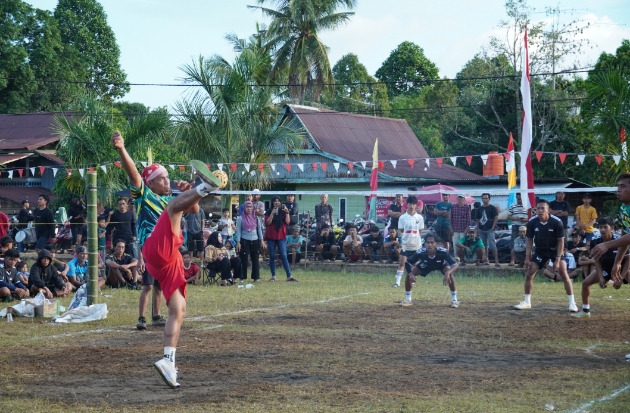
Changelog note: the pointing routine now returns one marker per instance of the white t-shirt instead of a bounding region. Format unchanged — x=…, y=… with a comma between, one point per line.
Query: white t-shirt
x=411, y=226
x=227, y=231
x=359, y=238
x=571, y=265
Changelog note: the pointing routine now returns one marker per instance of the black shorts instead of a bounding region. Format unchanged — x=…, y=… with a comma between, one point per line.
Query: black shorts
x=541, y=259
x=445, y=233
x=423, y=271
x=407, y=253
x=147, y=279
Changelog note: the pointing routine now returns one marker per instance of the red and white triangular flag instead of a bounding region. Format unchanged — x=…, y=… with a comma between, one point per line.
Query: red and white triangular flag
x=301, y=166
x=11, y=174
x=273, y=166
x=81, y=172
x=144, y=164
x=55, y=171
x=324, y=166
x=32, y=171
x=539, y=155
x=616, y=158
x=220, y=166
x=394, y=163
x=314, y=166
x=233, y=166
x=562, y=157
x=69, y=172
x=411, y=162
x=172, y=167
x=363, y=163
x=598, y=158
x=182, y=167
x=104, y=168
x=261, y=167
x=469, y=159
x=350, y=165
x=336, y=165
x=42, y=169
x=247, y=166
x=484, y=158
x=439, y=161
x=581, y=159
x=453, y=160
x=287, y=166
x=428, y=162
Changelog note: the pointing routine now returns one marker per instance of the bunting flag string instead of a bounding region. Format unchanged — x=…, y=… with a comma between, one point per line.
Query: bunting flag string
x=32, y=171
x=562, y=157
x=484, y=158
x=411, y=162
x=324, y=166
x=469, y=159
x=394, y=163
x=439, y=161
x=336, y=165
x=363, y=164
x=427, y=161
x=454, y=160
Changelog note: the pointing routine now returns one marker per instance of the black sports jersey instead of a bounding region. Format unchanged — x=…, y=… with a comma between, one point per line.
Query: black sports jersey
x=427, y=264
x=608, y=259
x=545, y=235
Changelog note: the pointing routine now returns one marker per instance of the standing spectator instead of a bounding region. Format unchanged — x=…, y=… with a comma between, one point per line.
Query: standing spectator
x=44, y=222
x=218, y=258
x=323, y=213
x=395, y=211
x=24, y=217
x=487, y=218
x=585, y=217
x=294, y=245
x=391, y=245
x=102, y=223
x=373, y=245
x=411, y=223
x=248, y=197
x=195, y=224
x=259, y=210
x=442, y=225
x=249, y=241
x=4, y=224
x=547, y=232
x=226, y=226
x=77, y=217
x=519, y=217
x=277, y=219
x=460, y=218
x=560, y=208
x=294, y=209
x=124, y=226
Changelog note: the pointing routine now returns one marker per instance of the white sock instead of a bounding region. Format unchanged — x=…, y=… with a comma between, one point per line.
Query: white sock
x=399, y=274
x=586, y=306
x=571, y=299
x=169, y=354
x=203, y=189
x=528, y=298
x=408, y=295
x=454, y=295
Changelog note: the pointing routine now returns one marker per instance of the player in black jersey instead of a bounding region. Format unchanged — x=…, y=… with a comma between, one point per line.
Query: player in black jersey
x=611, y=266
x=427, y=259
x=547, y=232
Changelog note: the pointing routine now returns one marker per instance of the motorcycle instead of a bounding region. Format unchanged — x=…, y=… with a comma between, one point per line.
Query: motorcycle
x=26, y=235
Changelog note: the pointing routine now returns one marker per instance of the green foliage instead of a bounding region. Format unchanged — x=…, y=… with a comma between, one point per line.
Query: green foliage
x=31, y=48
x=231, y=119
x=83, y=25
x=300, y=57
x=353, y=93
x=407, y=70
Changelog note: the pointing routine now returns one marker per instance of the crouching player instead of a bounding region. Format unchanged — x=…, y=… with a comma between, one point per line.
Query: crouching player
x=165, y=262
x=612, y=265
x=427, y=259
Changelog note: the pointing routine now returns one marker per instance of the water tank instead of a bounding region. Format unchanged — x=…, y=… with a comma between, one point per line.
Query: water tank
x=495, y=165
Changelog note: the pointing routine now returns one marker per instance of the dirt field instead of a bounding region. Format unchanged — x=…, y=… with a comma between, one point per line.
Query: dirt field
x=347, y=353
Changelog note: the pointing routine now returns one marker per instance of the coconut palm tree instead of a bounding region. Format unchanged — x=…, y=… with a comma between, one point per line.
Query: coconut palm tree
x=230, y=118
x=300, y=57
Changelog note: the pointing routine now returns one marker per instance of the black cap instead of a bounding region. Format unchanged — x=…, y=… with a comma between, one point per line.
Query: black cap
x=25, y=202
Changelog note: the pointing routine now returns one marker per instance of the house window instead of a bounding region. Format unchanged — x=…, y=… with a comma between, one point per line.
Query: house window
x=342, y=208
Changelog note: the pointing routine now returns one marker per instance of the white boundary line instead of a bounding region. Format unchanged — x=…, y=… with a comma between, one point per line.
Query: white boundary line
x=614, y=394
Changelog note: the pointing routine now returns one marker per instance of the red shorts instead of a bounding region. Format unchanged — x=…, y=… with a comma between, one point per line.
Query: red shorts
x=163, y=259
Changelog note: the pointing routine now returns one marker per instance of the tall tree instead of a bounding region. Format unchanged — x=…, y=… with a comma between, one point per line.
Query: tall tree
x=300, y=57
x=407, y=70
x=83, y=25
x=355, y=90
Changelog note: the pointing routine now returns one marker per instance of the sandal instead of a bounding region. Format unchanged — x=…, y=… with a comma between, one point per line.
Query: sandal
x=272, y=280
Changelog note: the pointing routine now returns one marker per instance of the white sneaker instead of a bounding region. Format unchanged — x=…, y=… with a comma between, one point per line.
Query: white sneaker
x=454, y=304
x=523, y=306
x=573, y=308
x=405, y=303
x=395, y=285
x=168, y=372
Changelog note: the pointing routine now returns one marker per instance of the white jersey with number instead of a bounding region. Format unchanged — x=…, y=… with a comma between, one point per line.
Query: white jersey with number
x=411, y=226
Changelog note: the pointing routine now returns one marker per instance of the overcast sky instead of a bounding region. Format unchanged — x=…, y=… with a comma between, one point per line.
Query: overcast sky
x=158, y=36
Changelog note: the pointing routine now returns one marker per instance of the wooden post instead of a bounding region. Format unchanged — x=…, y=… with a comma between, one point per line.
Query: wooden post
x=92, y=239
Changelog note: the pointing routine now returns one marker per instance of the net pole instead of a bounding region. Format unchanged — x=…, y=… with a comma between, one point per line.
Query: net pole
x=92, y=239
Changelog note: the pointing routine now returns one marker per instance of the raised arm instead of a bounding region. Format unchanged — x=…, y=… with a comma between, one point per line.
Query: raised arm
x=125, y=160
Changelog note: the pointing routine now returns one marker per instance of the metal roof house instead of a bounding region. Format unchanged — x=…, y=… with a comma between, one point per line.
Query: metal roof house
x=337, y=139
x=26, y=141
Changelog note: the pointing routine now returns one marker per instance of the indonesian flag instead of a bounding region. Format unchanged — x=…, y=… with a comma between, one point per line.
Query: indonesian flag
x=527, y=176
x=374, y=182
x=624, y=147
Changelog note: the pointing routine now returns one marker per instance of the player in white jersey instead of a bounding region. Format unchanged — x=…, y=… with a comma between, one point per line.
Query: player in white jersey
x=410, y=225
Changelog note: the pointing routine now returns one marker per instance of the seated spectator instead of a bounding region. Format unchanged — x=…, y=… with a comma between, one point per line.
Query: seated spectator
x=6, y=243
x=325, y=244
x=45, y=278
x=576, y=244
x=62, y=267
x=230, y=247
x=22, y=271
x=571, y=268
x=470, y=247
x=192, y=272
x=294, y=246
x=353, y=245
x=121, y=268
x=391, y=245
x=373, y=245
x=218, y=259
x=11, y=287
x=520, y=246
x=78, y=268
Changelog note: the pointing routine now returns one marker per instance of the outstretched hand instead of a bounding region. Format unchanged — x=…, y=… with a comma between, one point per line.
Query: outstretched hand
x=117, y=140
x=182, y=185
x=598, y=250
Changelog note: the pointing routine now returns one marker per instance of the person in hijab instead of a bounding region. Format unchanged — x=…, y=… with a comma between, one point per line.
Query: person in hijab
x=277, y=218
x=250, y=239
x=218, y=259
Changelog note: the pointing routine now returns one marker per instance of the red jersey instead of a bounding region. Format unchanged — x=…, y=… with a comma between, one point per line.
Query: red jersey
x=190, y=271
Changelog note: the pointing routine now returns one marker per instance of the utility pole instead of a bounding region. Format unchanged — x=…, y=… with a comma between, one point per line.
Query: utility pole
x=92, y=239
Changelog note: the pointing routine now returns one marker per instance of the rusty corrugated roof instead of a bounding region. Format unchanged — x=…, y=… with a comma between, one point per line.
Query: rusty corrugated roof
x=19, y=193
x=352, y=136
x=50, y=155
x=5, y=159
x=27, y=131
